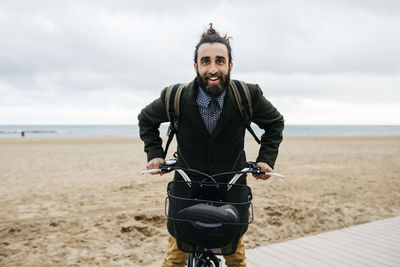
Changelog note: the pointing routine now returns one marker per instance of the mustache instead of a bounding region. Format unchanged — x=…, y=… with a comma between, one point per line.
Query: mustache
x=218, y=75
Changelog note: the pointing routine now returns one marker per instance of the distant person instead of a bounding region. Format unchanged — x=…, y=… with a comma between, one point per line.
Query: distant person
x=211, y=132
x=22, y=134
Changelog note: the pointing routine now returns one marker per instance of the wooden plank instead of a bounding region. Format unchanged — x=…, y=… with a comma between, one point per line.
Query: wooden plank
x=381, y=229
x=364, y=240
x=347, y=243
x=256, y=258
x=292, y=259
x=323, y=249
x=354, y=237
x=344, y=251
x=371, y=244
x=311, y=255
x=393, y=221
x=389, y=237
x=345, y=255
x=381, y=244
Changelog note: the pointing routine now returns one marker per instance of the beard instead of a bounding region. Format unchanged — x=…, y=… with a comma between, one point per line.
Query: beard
x=214, y=90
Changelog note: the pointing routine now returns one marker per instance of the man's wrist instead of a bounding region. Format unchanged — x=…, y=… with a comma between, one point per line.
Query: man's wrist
x=269, y=162
x=155, y=153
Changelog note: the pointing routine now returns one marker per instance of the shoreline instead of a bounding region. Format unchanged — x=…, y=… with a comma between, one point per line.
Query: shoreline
x=248, y=136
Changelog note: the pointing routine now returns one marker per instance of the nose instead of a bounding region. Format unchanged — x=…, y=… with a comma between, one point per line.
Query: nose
x=213, y=69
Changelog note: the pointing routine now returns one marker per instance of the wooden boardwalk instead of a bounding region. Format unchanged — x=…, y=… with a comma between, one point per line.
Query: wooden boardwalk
x=370, y=244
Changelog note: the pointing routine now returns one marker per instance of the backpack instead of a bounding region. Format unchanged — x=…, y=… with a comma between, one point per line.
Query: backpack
x=242, y=97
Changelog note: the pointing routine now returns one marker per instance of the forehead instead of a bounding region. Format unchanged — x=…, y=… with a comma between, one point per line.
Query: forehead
x=212, y=50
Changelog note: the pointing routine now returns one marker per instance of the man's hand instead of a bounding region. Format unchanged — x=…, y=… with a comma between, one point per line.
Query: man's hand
x=155, y=164
x=264, y=167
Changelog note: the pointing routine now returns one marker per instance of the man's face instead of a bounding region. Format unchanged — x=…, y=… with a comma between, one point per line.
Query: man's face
x=213, y=68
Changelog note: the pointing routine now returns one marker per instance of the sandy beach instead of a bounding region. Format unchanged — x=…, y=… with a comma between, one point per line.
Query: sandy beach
x=83, y=201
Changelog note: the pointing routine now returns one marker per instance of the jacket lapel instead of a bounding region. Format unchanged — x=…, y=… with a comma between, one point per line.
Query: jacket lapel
x=227, y=112
x=190, y=107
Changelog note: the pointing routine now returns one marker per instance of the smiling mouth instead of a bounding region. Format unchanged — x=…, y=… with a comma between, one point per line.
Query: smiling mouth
x=213, y=79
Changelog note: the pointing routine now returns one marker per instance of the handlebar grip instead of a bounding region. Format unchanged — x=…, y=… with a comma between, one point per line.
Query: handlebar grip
x=150, y=171
x=275, y=174
x=167, y=166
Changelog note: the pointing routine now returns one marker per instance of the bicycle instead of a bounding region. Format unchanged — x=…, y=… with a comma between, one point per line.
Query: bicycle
x=210, y=217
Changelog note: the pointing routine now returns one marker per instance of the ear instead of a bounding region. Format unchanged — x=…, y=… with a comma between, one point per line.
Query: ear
x=195, y=67
x=231, y=65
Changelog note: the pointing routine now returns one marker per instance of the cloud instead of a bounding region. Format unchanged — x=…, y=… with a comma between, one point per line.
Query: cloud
x=305, y=111
x=318, y=37
x=342, y=87
x=116, y=56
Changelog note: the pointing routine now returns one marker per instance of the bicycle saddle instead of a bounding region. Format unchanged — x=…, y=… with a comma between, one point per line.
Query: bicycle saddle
x=209, y=226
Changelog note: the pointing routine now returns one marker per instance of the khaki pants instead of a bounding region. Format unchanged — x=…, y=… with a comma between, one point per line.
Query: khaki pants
x=175, y=257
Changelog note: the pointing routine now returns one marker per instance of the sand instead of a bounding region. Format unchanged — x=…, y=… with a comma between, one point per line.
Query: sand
x=82, y=201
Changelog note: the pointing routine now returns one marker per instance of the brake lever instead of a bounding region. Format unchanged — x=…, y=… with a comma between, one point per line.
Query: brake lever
x=254, y=168
x=257, y=170
x=168, y=165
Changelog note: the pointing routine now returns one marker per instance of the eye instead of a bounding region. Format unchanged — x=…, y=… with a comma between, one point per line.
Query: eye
x=220, y=61
x=205, y=61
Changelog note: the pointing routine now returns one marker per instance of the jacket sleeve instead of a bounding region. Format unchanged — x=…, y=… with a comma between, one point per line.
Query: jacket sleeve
x=268, y=118
x=150, y=119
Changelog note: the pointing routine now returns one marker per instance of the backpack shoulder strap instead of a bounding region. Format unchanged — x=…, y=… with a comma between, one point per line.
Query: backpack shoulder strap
x=172, y=99
x=243, y=100
x=242, y=96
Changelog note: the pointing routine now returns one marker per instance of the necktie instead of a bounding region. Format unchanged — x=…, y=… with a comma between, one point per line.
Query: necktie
x=213, y=108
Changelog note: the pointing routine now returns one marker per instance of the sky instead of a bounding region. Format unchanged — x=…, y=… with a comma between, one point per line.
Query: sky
x=100, y=62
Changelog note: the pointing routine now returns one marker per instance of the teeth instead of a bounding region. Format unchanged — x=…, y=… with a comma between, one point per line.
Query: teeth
x=213, y=78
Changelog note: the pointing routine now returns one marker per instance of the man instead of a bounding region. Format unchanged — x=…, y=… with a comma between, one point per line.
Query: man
x=211, y=130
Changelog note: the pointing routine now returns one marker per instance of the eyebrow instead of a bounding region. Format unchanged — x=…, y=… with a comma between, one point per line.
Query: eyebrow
x=218, y=57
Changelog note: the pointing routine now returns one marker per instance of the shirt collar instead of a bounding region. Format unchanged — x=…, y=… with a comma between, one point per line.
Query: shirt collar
x=204, y=99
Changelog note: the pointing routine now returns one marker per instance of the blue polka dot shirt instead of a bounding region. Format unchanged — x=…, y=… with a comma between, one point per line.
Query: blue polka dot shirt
x=210, y=108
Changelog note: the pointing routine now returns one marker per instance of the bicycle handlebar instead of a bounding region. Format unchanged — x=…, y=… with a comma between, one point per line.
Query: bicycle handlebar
x=170, y=165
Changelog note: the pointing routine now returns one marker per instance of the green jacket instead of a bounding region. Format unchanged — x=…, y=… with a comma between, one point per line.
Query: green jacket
x=222, y=150
x=219, y=152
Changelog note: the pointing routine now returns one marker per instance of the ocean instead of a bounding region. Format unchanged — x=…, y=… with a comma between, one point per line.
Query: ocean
x=133, y=130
